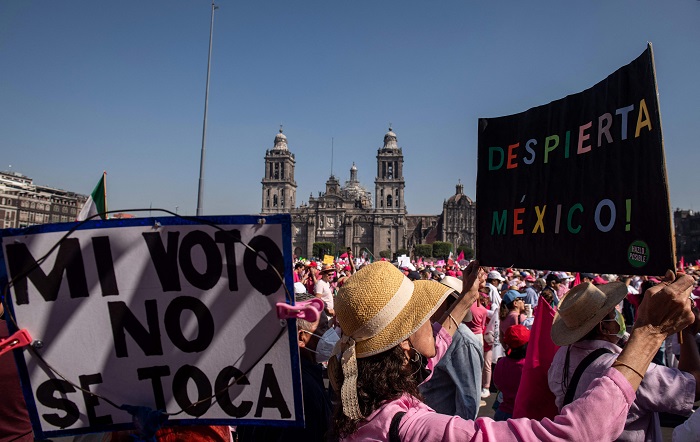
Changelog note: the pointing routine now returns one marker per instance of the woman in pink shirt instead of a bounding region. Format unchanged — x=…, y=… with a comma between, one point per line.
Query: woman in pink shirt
x=388, y=347
x=513, y=311
x=509, y=370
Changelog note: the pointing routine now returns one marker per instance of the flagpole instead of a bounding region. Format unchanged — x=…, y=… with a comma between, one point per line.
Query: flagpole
x=104, y=181
x=200, y=192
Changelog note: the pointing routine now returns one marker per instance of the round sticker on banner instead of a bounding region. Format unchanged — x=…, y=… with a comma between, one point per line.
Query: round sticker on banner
x=638, y=254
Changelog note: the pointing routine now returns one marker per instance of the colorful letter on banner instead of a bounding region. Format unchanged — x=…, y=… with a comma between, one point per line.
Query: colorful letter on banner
x=578, y=184
x=165, y=313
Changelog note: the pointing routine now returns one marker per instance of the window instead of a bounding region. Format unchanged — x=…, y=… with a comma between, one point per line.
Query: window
x=388, y=201
x=274, y=201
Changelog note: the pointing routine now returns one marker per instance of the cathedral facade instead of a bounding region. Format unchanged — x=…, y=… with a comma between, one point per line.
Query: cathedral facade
x=348, y=216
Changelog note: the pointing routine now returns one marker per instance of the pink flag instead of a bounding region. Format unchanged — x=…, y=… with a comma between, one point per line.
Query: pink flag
x=420, y=262
x=534, y=399
x=682, y=263
x=461, y=256
x=577, y=280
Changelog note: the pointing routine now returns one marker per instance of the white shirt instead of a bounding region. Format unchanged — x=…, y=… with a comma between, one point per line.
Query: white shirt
x=324, y=289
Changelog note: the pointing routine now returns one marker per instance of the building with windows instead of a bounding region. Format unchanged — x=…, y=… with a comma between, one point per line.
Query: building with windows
x=687, y=227
x=347, y=215
x=23, y=203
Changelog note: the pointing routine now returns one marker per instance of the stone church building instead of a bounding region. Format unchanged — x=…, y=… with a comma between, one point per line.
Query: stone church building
x=348, y=216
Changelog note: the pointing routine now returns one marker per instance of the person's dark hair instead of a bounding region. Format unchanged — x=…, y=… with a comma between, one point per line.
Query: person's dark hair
x=517, y=353
x=382, y=377
x=548, y=294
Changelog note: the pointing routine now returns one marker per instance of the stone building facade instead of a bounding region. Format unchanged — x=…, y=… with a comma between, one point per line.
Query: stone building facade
x=23, y=203
x=347, y=214
x=687, y=227
x=458, y=218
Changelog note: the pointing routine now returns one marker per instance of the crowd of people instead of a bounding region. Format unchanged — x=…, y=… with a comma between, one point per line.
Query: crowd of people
x=480, y=321
x=410, y=350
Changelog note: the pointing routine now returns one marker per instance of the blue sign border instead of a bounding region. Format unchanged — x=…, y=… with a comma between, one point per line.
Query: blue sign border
x=282, y=219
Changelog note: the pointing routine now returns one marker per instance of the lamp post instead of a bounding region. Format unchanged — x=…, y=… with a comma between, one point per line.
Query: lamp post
x=200, y=192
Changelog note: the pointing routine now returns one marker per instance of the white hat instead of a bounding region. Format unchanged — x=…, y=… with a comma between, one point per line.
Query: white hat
x=495, y=275
x=456, y=284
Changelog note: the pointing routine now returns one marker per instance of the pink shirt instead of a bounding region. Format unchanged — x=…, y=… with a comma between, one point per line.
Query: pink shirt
x=507, y=376
x=662, y=388
x=598, y=415
x=442, y=343
x=480, y=315
x=513, y=318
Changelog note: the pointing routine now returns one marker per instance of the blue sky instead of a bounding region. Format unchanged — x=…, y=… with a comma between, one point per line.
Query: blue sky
x=119, y=86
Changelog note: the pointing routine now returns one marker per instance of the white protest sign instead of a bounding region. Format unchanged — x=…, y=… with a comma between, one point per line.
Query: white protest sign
x=405, y=261
x=156, y=312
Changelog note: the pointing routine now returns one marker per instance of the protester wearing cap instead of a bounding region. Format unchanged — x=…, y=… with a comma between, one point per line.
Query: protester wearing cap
x=586, y=321
x=454, y=388
x=323, y=289
x=512, y=312
x=531, y=296
x=385, y=326
x=552, y=288
x=509, y=369
x=313, y=276
x=494, y=280
x=587, y=277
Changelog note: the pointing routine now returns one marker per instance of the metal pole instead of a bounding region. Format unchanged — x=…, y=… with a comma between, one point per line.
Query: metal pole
x=200, y=193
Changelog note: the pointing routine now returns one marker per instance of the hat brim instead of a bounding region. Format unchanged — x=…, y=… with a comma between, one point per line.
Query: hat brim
x=427, y=296
x=457, y=284
x=563, y=335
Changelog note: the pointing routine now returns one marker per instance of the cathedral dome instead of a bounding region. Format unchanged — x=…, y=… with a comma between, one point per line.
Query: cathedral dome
x=390, y=139
x=280, y=140
x=459, y=197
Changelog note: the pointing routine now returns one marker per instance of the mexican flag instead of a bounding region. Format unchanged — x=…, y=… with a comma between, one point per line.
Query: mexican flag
x=97, y=203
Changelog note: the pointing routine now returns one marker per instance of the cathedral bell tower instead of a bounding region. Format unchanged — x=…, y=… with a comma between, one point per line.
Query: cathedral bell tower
x=278, y=185
x=389, y=184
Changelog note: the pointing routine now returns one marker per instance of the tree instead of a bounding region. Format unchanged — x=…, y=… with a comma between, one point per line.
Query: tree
x=385, y=254
x=424, y=250
x=323, y=248
x=441, y=249
x=468, y=251
x=402, y=252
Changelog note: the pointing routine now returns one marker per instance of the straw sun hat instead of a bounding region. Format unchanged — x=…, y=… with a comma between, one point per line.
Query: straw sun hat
x=377, y=308
x=583, y=307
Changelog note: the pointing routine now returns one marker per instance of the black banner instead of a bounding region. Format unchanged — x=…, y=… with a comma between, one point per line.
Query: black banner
x=578, y=184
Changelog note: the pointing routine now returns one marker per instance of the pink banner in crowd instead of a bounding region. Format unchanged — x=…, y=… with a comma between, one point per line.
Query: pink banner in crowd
x=534, y=399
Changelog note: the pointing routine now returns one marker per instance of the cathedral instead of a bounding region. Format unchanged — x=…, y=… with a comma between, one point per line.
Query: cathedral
x=347, y=216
